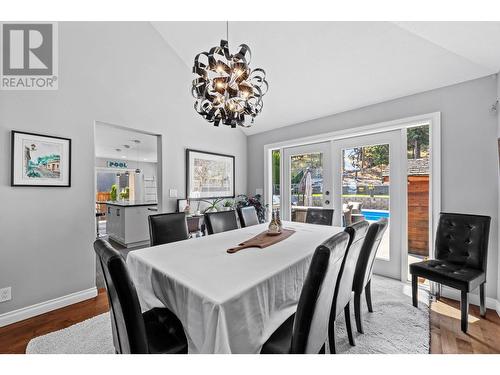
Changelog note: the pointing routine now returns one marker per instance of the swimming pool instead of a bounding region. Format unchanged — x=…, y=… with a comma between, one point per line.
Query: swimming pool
x=374, y=215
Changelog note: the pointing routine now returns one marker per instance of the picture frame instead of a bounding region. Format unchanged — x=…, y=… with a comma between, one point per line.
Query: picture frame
x=40, y=160
x=209, y=175
x=182, y=204
x=498, y=140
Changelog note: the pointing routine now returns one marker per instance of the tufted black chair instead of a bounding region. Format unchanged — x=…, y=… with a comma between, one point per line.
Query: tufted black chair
x=217, y=222
x=155, y=331
x=305, y=331
x=461, y=255
x=322, y=216
x=343, y=289
x=166, y=228
x=248, y=216
x=364, y=268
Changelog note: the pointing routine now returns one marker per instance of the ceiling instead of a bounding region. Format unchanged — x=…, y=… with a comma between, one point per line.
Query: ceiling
x=316, y=69
x=108, y=138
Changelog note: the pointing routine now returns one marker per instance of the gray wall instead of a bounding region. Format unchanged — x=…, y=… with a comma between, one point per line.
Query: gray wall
x=498, y=182
x=469, y=150
x=119, y=73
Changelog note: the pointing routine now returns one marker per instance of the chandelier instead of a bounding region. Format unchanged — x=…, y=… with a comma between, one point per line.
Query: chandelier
x=226, y=89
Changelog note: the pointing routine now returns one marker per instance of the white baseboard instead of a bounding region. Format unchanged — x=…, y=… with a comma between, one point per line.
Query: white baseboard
x=43, y=307
x=491, y=303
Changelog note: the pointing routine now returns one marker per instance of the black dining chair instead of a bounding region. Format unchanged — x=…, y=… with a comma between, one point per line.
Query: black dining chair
x=196, y=226
x=166, y=228
x=305, y=332
x=157, y=331
x=217, y=222
x=364, y=269
x=461, y=254
x=321, y=216
x=343, y=289
x=248, y=216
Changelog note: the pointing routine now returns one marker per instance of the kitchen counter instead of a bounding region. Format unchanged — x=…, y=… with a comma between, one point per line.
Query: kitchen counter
x=127, y=222
x=131, y=203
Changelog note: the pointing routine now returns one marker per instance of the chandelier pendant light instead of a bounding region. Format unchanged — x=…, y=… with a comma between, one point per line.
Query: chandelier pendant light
x=226, y=89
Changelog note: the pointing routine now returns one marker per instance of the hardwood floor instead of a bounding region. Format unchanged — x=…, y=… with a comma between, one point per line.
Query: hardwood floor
x=482, y=337
x=15, y=337
x=446, y=336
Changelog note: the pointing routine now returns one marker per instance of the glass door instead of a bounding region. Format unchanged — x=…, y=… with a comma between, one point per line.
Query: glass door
x=369, y=185
x=307, y=180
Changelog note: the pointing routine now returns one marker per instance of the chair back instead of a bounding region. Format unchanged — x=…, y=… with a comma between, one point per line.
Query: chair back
x=194, y=224
x=310, y=327
x=166, y=228
x=127, y=323
x=364, y=267
x=343, y=289
x=248, y=216
x=355, y=207
x=463, y=239
x=322, y=216
x=217, y=222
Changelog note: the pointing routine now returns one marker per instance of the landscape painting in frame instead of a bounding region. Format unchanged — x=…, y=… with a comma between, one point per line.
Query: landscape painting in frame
x=209, y=175
x=40, y=160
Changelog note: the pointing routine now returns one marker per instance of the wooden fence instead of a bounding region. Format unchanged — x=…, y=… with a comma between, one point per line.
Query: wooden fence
x=102, y=196
x=418, y=215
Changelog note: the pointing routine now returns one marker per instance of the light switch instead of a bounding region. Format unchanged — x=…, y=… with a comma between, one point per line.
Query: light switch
x=172, y=193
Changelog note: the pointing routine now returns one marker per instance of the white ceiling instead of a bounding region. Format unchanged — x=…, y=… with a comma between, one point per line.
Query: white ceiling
x=315, y=69
x=108, y=138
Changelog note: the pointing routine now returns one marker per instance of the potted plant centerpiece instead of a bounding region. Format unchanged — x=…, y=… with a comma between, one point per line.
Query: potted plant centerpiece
x=212, y=205
x=255, y=201
x=228, y=205
x=125, y=194
x=113, y=194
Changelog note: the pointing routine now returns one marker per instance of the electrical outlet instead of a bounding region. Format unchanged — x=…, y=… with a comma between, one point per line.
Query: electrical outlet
x=5, y=294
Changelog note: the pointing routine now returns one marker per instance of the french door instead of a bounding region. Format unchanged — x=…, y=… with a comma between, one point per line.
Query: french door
x=307, y=175
x=369, y=183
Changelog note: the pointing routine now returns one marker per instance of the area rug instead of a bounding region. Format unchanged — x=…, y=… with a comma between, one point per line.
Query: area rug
x=92, y=336
x=394, y=327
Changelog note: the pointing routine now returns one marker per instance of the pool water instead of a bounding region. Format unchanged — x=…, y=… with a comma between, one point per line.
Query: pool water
x=374, y=215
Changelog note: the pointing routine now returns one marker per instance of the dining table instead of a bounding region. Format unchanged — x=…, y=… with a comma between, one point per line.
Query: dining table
x=227, y=303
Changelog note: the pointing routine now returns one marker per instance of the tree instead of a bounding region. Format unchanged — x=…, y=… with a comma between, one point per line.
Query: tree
x=376, y=155
x=418, y=140
x=276, y=167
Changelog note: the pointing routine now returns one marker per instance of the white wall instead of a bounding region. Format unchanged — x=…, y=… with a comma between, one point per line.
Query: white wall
x=119, y=73
x=469, y=150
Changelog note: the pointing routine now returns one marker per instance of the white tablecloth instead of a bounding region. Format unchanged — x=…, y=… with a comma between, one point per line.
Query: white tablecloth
x=227, y=303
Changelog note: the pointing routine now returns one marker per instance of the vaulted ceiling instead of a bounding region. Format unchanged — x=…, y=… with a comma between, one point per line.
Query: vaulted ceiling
x=316, y=69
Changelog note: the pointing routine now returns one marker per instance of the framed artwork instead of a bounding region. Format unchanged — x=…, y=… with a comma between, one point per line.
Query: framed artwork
x=182, y=204
x=209, y=175
x=40, y=160
x=498, y=149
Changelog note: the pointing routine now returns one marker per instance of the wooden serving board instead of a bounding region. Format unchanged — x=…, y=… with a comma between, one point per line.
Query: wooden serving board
x=262, y=240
